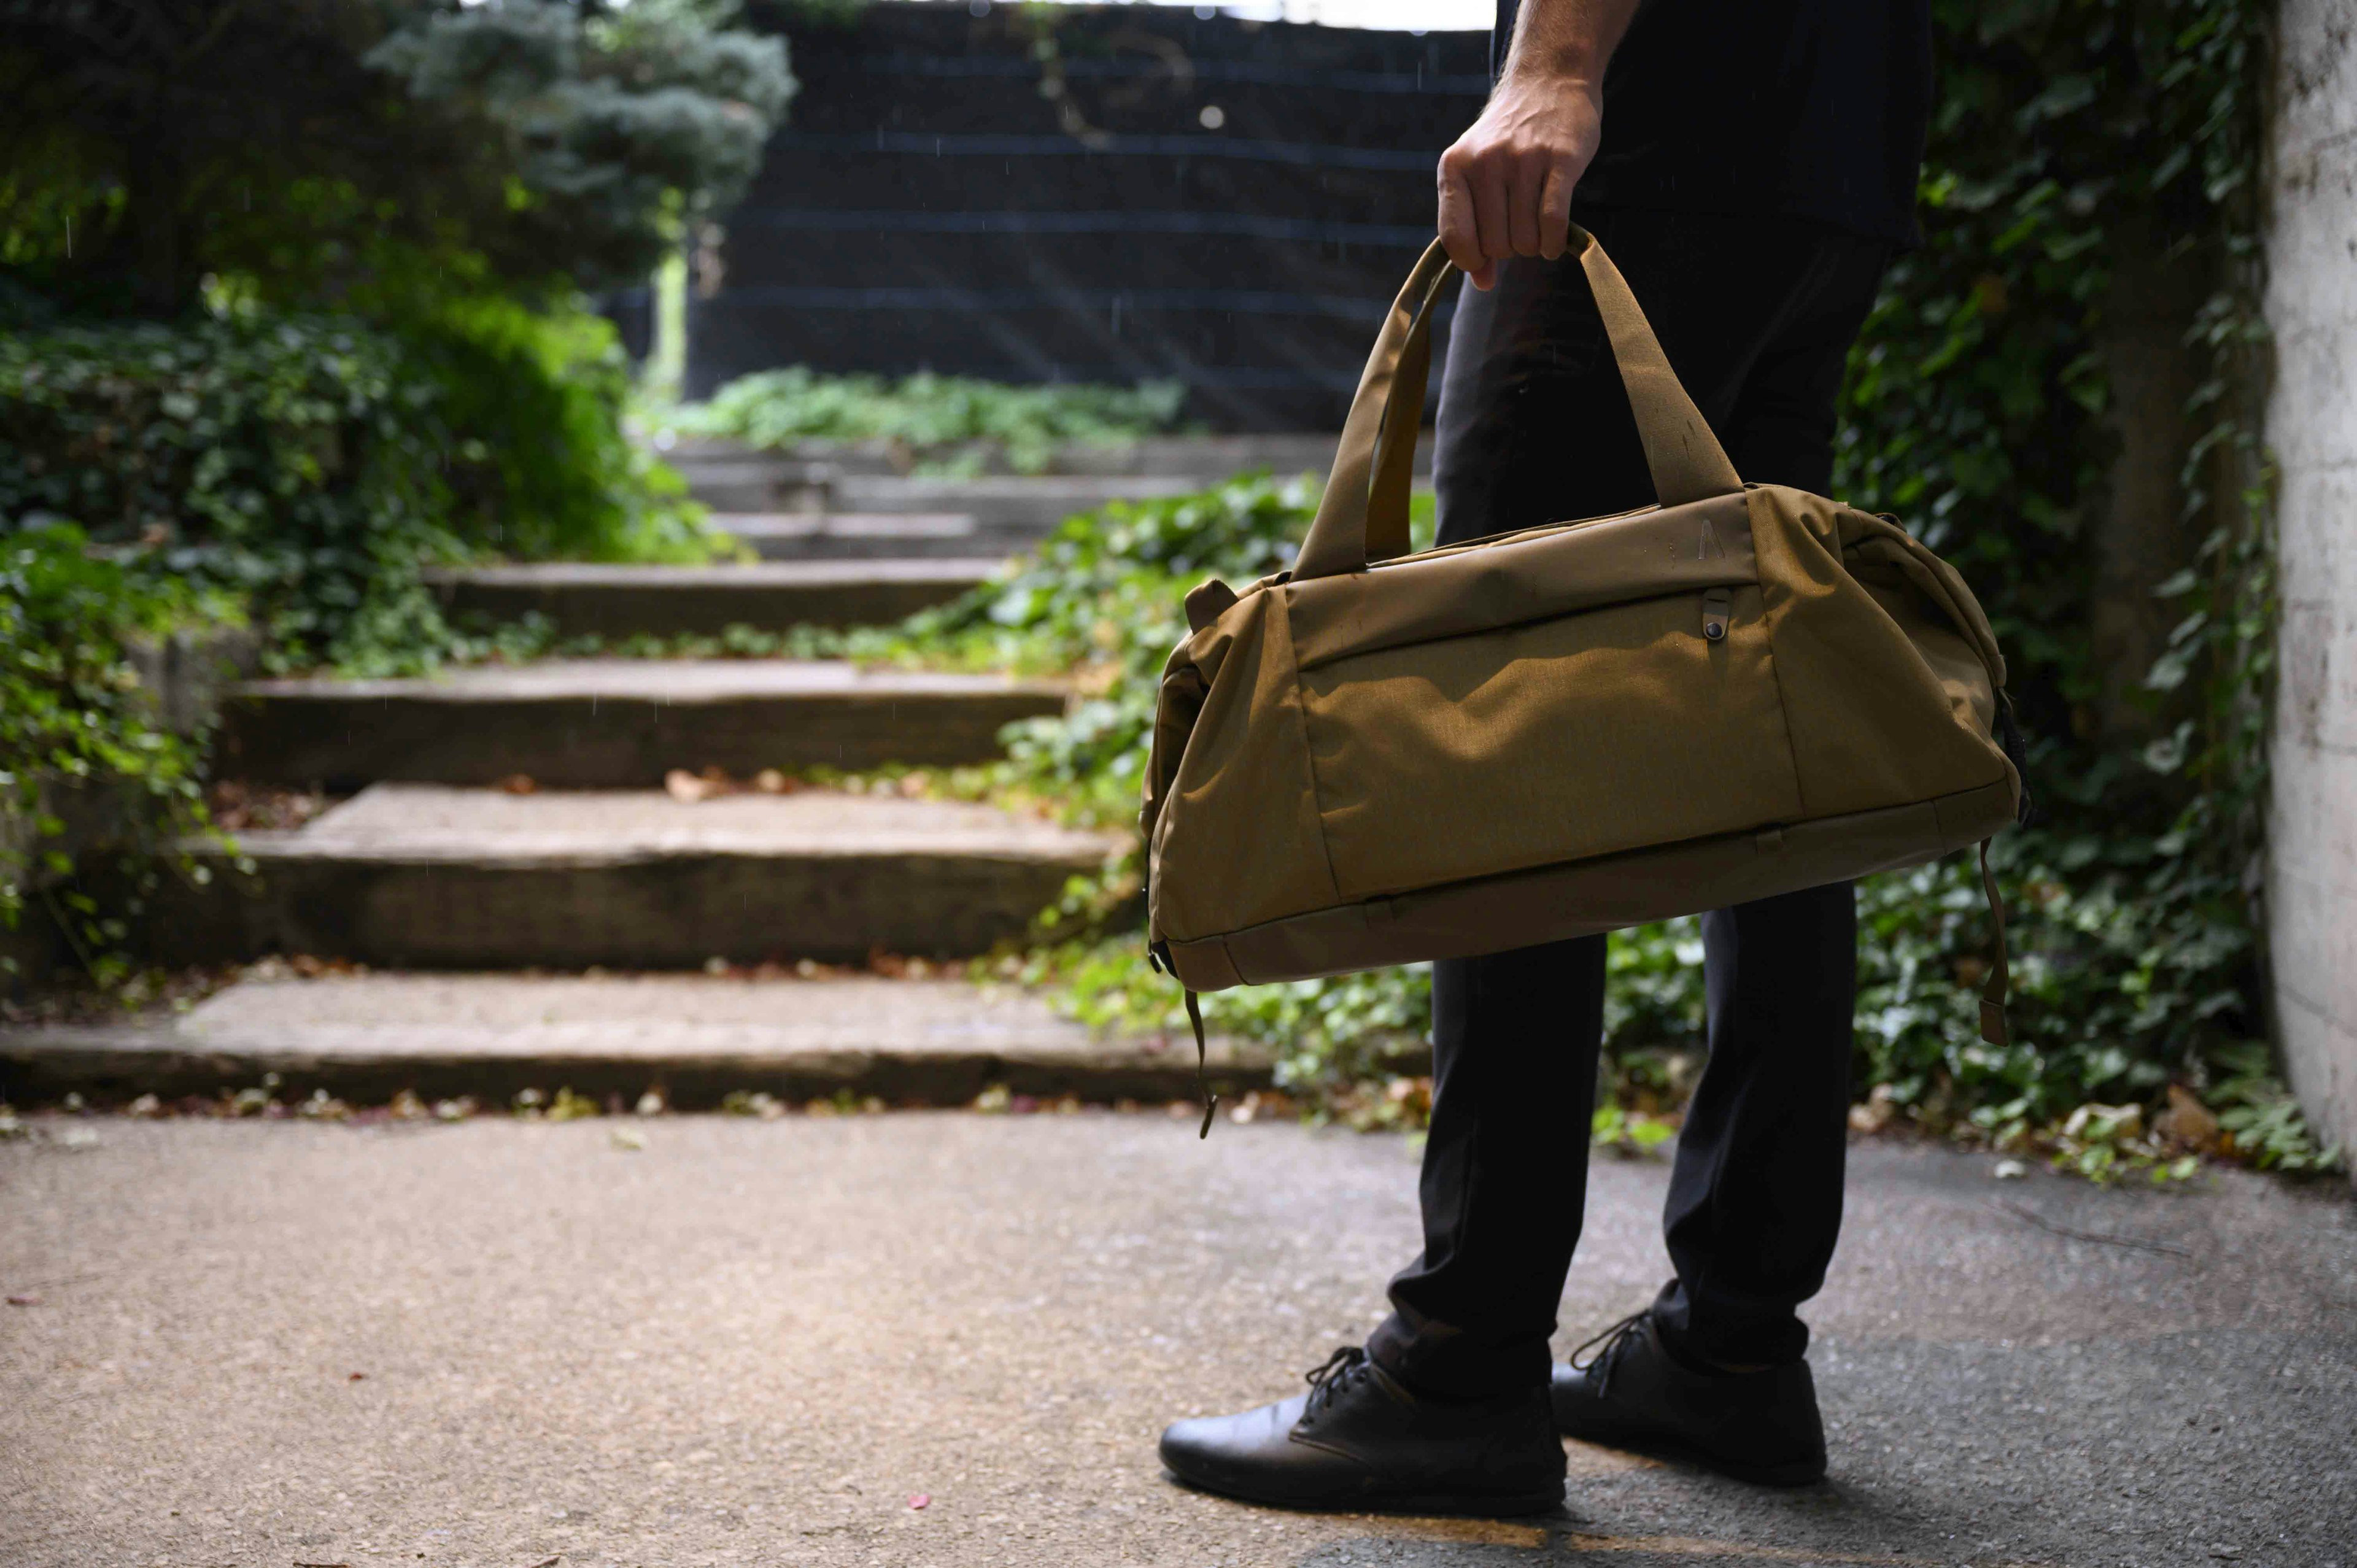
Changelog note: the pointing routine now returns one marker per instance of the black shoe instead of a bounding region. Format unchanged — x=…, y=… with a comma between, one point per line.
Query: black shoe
x=1761, y=1426
x=1359, y=1442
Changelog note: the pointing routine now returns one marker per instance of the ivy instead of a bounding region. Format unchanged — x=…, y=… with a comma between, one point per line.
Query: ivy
x=295, y=462
x=314, y=467
x=83, y=754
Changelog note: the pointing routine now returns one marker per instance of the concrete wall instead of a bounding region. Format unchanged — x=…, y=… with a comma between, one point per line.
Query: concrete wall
x=2312, y=425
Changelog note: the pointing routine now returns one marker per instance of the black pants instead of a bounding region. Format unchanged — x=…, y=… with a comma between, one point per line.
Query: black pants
x=1757, y=318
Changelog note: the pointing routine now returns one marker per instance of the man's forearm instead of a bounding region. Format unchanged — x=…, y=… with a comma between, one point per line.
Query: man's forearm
x=1566, y=41
x=1505, y=186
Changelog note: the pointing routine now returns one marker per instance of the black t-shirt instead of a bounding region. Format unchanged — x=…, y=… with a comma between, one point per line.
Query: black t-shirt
x=1808, y=107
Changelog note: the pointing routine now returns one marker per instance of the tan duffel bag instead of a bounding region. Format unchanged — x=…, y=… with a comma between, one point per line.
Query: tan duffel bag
x=1742, y=691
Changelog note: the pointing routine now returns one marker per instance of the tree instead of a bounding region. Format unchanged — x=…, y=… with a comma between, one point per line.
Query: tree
x=151, y=144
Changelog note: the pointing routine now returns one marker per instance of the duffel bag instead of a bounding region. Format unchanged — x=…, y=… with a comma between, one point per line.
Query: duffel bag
x=1741, y=691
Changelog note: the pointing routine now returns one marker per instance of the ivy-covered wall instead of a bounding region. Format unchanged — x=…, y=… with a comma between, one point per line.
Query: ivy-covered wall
x=2311, y=306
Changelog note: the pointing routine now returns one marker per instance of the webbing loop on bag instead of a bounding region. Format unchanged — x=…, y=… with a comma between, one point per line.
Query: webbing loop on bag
x=1202, y=1078
x=2000, y=980
x=1158, y=955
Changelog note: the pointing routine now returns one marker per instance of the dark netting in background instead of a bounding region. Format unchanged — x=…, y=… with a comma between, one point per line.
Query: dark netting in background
x=946, y=199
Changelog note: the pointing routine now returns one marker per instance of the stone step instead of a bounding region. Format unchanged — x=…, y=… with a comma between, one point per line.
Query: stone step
x=869, y=536
x=1013, y=502
x=616, y=723
x=1204, y=460
x=697, y=1038
x=425, y=878
x=613, y=601
x=1034, y=502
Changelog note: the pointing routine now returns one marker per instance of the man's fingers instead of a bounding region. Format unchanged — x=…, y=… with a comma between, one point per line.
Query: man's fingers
x=1522, y=227
x=1458, y=234
x=1555, y=211
x=1489, y=188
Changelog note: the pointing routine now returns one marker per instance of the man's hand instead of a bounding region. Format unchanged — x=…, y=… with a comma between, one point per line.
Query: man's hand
x=1505, y=187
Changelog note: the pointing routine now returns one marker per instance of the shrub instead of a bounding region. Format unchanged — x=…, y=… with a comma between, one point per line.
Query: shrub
x=315, y=466
x=295, y=462
x=929, y=414
x=78, y=734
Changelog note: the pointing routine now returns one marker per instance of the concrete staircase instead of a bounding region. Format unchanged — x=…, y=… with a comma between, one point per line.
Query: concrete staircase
x=514, y=880
x=616, y=723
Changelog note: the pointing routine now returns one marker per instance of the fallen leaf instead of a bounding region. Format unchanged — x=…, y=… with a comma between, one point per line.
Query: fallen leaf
x=24, y=1301
x=355, y=1377
x=683, y=786
x=517, y=784
x=921, y=1499
x=2187, y=1121
x=625, y=1139
x=1876, y=1112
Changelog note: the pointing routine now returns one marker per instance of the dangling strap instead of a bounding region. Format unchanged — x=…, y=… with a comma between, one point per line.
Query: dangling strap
x=2000, y=979
x=1202, y=1082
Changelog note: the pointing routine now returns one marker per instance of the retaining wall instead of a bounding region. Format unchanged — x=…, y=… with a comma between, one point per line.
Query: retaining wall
x=1138, y=193
x=2312, y=427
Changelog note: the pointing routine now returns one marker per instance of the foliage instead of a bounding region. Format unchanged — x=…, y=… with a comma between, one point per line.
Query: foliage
x=930, y=416
x=545, y=466
x=621, y=123
x=2264, y=1121
x=316, y=467
x=78, y=734
x=153, y=142
x=1975, y=409
x=298, y=462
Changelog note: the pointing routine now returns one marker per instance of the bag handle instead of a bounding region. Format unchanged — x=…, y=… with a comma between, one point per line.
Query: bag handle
x=1362, y=516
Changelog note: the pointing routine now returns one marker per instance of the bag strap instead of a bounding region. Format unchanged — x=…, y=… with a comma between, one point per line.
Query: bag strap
x=1362, y=516
x=1993, y=1027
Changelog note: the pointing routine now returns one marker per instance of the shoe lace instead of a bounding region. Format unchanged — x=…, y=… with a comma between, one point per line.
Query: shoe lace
x=1330, y=1378
x=1603, y=1349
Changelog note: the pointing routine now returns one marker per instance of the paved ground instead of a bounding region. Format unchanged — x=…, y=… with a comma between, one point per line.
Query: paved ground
x=511, y=1344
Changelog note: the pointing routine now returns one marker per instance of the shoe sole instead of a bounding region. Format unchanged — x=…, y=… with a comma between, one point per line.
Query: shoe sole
x=1654, y=1444
x=1511, y=1505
